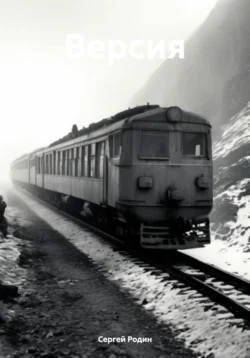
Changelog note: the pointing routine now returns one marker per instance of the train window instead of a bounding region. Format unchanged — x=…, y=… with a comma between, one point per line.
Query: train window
x=54, y=162
x=86, y=161
x=67, y=162
x=111, y=139
x=99, y=159
x=50, y=164
x=39, y=169
x=154, y=145
x=115, y=145
x=71, y=162
x=47, y=164
x=58, y=162
x=78, y=162
x=82, y=161
x=75, y=161
x=37, y=165
x=64, y=162
x=194, y=144
x=93, y=160
x=67, y=172
x=32, y=162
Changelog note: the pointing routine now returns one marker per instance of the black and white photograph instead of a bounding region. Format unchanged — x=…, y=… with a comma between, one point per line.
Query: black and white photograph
x=125, y=179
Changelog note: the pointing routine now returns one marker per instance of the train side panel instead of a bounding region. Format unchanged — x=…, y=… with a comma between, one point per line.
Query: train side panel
x=89, y=189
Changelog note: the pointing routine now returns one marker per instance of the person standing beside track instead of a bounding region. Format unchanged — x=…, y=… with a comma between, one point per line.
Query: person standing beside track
x=3, y=221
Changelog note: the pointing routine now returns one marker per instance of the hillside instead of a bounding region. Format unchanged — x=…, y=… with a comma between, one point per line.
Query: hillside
x=231, y=214
x=214, y=78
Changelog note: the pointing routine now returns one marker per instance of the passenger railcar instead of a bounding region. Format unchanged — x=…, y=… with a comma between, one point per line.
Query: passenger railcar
x=145, y=173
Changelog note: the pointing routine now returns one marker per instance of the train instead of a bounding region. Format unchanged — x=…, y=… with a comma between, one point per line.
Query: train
x=144, y=174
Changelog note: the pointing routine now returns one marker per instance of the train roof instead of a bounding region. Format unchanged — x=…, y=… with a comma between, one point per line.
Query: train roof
x=106, y=122
x=187, y=117
x=136, y=114
x=131, y=114
x=27, y=155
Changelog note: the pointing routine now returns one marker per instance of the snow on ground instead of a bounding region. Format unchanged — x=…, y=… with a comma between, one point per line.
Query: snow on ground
x=205, y=327
x=10, y=272
x=231, y=259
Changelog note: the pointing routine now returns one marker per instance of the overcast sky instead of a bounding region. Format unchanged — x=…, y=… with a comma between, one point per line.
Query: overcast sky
x=42, y=92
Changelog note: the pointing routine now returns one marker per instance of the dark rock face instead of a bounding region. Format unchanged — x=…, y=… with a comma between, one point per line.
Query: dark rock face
x=236, y=94
x=213, y=79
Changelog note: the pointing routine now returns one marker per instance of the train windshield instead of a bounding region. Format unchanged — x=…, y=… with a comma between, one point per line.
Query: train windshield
x=194, y=144
x=154, y=145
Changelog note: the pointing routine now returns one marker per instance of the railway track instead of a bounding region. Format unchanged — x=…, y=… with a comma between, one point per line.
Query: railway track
x=229, y=290
x=222, y=287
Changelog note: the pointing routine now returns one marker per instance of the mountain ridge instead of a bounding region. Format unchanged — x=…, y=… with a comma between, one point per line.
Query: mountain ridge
x=213, y=79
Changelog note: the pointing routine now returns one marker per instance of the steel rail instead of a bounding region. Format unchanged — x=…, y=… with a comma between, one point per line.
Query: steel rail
x=216, y=295
x=216, y=271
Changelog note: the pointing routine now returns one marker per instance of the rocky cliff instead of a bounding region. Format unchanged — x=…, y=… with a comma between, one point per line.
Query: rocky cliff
x=214, y=77
x=231, y=214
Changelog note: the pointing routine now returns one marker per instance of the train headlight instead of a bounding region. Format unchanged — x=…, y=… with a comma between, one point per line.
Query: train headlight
x=145, y=182
x=177, y=195
x=174, y=114
x=201, y=182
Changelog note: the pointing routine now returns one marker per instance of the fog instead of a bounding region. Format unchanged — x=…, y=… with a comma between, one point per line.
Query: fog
x=43, y=92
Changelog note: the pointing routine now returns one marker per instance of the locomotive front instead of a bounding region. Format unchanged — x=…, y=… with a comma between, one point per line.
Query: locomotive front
x=166, y=178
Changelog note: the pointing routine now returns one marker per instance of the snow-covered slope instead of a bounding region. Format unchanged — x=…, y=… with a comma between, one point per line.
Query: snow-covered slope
x=231, y=215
